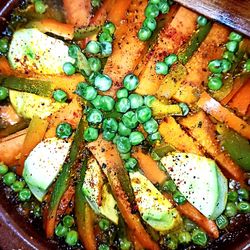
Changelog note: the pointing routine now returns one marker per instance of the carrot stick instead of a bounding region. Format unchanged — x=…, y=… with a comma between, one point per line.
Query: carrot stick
x=173, y=134
x=150, y=167
x=241, y=100
x=109, y=157
x=78, y=12
x=118, y=11
x=71, y=113
x=11, y=147
x=214, y=108
x=55, y=27
x=203, y=130
x=35, y=134
x=128, y=45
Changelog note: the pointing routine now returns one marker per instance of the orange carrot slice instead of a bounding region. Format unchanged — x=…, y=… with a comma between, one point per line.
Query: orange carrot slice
x=222, y=114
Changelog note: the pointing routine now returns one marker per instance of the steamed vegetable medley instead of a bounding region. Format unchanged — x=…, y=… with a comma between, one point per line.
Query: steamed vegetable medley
x=125, y=124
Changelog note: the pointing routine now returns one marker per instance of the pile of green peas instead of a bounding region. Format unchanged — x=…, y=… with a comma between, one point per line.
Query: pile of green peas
x=153, y=9
x=218, y=67
x=18, y=186
x=237, y=202
x=133, y=110
x=162, y=68
x=64, y=230
x=189, y=232
x=100, y=48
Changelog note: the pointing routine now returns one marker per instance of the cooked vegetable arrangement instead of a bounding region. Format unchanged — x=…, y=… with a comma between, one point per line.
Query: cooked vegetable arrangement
x=125, y=124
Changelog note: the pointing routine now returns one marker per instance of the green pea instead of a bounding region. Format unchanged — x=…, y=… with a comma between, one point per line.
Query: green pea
x=171, y=59
x=125, y=156
x=143, y=114
x=222, y=221
x=68, y=221
x=110, y=27
x=104, y=224
x=24, y=194
x=97, y=102
x=125, y=244
x=151, y=10
x=95, y=64
x=235, y=37
x=122, y=93
x=107, y=103
x=130, y=82
x=144, y=34
x=229, y=56
x=148, y=100
x=60, y=96
x=129, y=120
x=105, y=37
x=231, y=209
x=184, y=237
x=94, y=116
x=179, y=198
x=122, y=105
x=93, y=47
x=164, y=7
x=131, y=164
x=135, y=101
x=123, y=130
x=161, y=68
x=90, y=134
x=202, y=21
x=243, y=194
x=4, y=45
x=4, y=93
x=71, y=238
x=215, y=66
x=214, y=83
x=102, y=82
x=61, y=231
x=232, y=46
x=151, y=126
x=244, y=207
x=69, y=69
x=184, y=107
x=17, y=186
x=136, y=138
x=73, y=51
x=9, y=178
x=110, y=124
x=40, y=7
x=247, y=65
x=123, y=144
x=103, y=247
x=225, y=65
x=3, y=169
x=150, y=23
x=108, y=136
x=199, y=237
x=85, y=91
x=154, y=137
x=232, y=196
x=106, y=49
x=169, y=186
x=63, y=130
